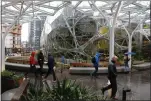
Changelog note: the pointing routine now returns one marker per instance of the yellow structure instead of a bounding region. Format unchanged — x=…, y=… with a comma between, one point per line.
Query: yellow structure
x=103, y=44
x=103, y=30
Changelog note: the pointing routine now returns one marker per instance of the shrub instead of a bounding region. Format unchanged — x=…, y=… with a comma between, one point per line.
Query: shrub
x=65, y=90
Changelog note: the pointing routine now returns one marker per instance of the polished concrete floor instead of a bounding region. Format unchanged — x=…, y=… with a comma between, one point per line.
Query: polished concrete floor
x=138, y=82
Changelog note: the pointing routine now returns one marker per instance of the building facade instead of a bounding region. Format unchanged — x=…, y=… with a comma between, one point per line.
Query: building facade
x=13, y=39
x=35, y=29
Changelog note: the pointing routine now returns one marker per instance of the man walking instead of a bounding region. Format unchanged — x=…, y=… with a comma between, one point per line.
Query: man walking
x=126, y=60
x=51, y=63
x=95, y=61
x=40, y=61
x=63, y=62
x=112, y=74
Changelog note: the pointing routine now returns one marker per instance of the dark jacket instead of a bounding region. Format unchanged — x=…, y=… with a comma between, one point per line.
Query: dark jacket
x=40, y=57
x=51, y=62
x=112, y=72
x=126, y=59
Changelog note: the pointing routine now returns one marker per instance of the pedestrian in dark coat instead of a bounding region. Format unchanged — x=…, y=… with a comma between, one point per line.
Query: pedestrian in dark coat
x=112, y=74
x=40, y=59
x=51, y=64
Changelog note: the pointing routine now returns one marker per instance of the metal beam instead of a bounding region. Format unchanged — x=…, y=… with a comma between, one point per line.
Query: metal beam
x=77, y=4
x=9, y=10
x=17, y=8
x=49, y=7
x=10, y=4
x=38, y=9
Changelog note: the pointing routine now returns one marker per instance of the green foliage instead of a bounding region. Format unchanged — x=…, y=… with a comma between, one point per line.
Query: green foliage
x=36, y=94
x=12, y=76
x=17, y=77
x=120, y=57
x=6, y=73
x=65, y=90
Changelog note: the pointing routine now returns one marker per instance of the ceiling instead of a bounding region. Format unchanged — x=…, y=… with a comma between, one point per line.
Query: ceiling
x=28, y=10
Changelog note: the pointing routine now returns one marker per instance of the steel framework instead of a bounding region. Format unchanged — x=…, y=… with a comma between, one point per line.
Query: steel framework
x=117, y=14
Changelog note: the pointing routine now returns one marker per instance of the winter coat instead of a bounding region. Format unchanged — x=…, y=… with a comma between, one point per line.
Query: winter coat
x=112, y=72
x=32, y=60
x=51, y=62
x=97, y=59
x=40, y=57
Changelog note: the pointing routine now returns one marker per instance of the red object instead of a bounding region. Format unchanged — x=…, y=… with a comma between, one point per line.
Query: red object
x=32, y=59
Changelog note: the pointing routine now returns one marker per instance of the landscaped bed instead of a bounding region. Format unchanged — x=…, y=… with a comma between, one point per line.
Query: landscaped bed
x=101, y=64
x=65, y=90
x=10, y=80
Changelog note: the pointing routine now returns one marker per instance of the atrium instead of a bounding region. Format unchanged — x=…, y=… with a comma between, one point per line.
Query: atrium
x=76, y=30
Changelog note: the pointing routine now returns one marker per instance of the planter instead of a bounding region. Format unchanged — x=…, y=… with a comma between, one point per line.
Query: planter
x=7, y=84
x=20, y=81
x=104, y=64
x=81, y=64
x=137, y=62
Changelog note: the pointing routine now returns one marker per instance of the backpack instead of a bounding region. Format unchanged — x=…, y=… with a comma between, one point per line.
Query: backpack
x=93, y=60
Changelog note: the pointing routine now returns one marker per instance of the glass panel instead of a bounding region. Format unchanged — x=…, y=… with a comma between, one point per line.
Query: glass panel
x=12, y=8
x=74, y=3
x=46, y=9
x=100, y=3
x=54, y=3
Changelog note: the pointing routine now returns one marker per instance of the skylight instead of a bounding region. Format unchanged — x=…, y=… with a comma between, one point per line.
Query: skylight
x=84, y=4
x=100, y=3
x=108, y=11
x=96, y=13
x=120, y=14
x=46, y=9
x=131, y=5
x=74, y=3
x=12, y=8
x=144, y=3
x=55, y=3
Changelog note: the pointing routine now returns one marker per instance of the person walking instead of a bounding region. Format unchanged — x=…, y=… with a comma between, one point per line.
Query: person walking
x=112, y=74
x=63, y=62
x=40, y=59
x=32, y=63
x=95, y=61
x=51, y=63
x=126, y=59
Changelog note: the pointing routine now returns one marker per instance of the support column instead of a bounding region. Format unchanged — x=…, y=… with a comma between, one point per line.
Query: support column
x=1, y=45
x=130, y=50
x=112, y=41
x=3, y=53
x=141, y=37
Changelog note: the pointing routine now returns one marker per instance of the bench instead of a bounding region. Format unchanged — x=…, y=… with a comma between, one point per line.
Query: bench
x=88, y=70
